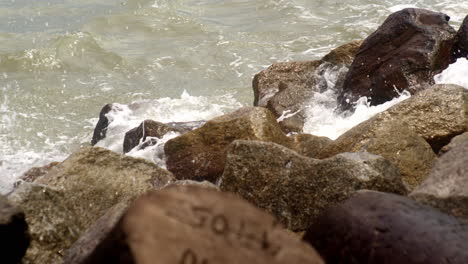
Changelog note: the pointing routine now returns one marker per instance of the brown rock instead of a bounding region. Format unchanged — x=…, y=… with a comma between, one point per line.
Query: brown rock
x=460, y=47
x=14, y=237
x=373, y=227
x=287, y=86
x=189, y=224
x=296, y=188
x=394, y=141
x=32, y=174
x=200, y=154
x=446, y=188
x=309, y=145
x=406, y=51
x=455, y=141
x=147, y=128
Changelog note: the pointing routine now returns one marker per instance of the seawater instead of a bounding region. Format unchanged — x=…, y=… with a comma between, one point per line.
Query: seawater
x=180, y=60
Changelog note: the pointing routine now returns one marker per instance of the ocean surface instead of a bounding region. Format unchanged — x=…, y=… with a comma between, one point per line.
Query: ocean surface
x=61, y=61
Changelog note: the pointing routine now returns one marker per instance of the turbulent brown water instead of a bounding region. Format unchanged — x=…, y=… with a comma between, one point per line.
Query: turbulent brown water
x=62, y=60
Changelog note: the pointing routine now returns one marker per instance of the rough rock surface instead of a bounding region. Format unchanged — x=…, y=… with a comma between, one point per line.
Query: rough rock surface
x=14, y=236
x=453, y=143
x=190, y=224
x=373, y=227
x=101, y=126
x=93, y=236
x=309, y=145
x=460, y=48
x=34, y=173
x=394, y=141
x=296, y=188
x=79, y=191
x=446, y=188
x=287, y=86
x=200, y=154
x=436, y=114
x=404, y=53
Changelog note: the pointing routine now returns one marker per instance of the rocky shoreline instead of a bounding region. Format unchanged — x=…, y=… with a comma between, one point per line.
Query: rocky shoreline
x=249, y=186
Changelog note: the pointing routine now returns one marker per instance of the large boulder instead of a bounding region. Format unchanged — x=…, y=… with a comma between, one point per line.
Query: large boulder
x=455, y=141
x=394, y=141
x=75, y=193
x=406, y=51
x=446, y=188
x=309, y=145
x=35, y=172
x=200, y=154
x=296, y=188
x=284, y=87
x=191, y=224
x=14, y=236
x=460, y=47
x=373, y=227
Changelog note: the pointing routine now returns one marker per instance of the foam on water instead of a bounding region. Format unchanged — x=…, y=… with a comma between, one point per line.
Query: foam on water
x=456, y=73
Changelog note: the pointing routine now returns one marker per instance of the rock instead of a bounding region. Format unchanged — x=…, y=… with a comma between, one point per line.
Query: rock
x=296, y=188
x=406, y=51
x=458, y=140
x=373, y=227
x=53, y=225
x=72, y=196
x=286, y=86
x=204, y=184
x=200, y=154
x=446, y=188
x=189, y=224
x=309, y=145
x=394, y=141
x=91, y=238
x=150, y=128
x=460, y=47
x=36, y=172
x=14, y=237
x=101, y=126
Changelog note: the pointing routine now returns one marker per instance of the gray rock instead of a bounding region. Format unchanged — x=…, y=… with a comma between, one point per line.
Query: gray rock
x=455, y=141
x=373, y=227
x=192, y=224
x=14, y=236
x=296, y=188
x=404, y=53
x=200, y=154
x=446, y=188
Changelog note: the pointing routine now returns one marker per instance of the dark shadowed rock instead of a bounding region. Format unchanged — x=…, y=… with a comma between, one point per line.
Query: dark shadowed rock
x=446, y=188
x=14, y=237
x=309, y=145
x=373, y=227
x=394, y=141
x=101, y=126
x=460, y=48
x=71, y=197
x=200, y=154
x=406, y=51
x=190, y=224
x=154, y=129
x=93, y=236
x=287, y=86
x=460, y=139
x=296, y=188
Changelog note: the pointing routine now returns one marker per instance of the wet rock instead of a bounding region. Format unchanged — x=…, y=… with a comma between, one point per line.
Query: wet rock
x=309, y=145
x=150, y=128
x=101, y=126
x=286, y=86
x=14, y=237
x=373, y=227
x=200, y=154
x=296, y=188
x=72, y=196
x=446, y=188
x=32, y=174
x=189, y=224
x=406, y=51
x=458, y=140
x=460, y=47
x=93, y=236
x=394, y=141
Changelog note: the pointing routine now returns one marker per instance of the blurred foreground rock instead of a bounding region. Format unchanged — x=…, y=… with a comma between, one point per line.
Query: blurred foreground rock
x=296, y=188
x=190, y=224
x=14, y=236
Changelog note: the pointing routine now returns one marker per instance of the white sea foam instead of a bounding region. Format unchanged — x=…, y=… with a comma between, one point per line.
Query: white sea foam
x=456, y=73
x=396, y=8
